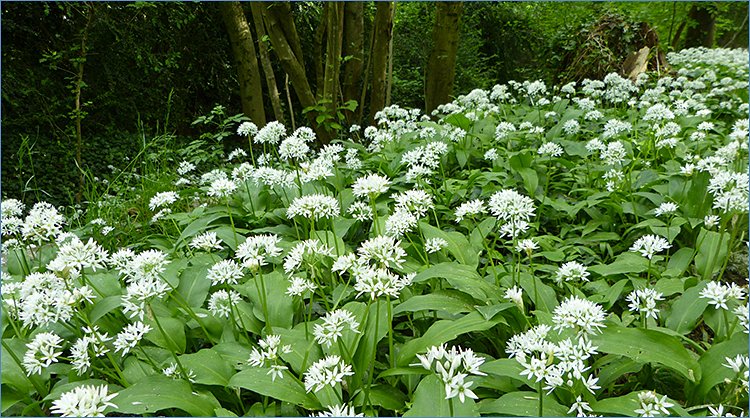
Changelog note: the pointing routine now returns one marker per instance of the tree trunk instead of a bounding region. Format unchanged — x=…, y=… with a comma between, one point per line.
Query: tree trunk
x=382, y=31
x=265, y=60
x=251, y=93
x=284, y=50
x=78, y=109
x=389, y=76
x=441, y=67
x=678, y=34
x=318, y=51
x=353, y=52
x=702, y=28
x=335, y=24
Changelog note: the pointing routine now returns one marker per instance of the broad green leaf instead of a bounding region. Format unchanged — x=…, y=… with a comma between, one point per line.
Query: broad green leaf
x=304, y=351
x=280, y=304
x=624, y=263
x=194, y=285
x=712, y=250
x=711, y=363
x=687, y=310
x=438, y=301
x=284, y=388
x=104, y=306
x=506, y=367
x=10, y=397
x=159, y=392
x=375, y=329
x=59, y=389
x=542, y=295
x=440, y=332
x=135, y=370
x=196, y=227
x=458, y=245
x=679, y=262
x=12, y=373
x=647, y=346
x=617, y=368
x=429, y=400
x=209, y=367
x=461, y=277
x=171, y=336
x=523, y=404
x=383, y=395
x=626, y=405
x=530, y=180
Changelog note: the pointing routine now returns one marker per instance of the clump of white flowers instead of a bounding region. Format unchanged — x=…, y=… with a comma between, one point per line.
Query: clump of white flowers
x=327, y=371
x=452, y=367
x=650, y=245
x=268, y=356
x=84, y=401
x=314, y=206
x=644, y=301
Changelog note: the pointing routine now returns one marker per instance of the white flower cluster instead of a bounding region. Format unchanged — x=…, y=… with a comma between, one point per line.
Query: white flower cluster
x=268, y=355
x=84, y=401
x=572, y=271
x=471, y=209
x=644, y=301
x=327, y=371
x=453, y=367
x=43, y=299
x=423, y=161
x=314, y=206
x=333, y=325
x=719, y=294
x=561, y=364
x=256, y=250
x=130, y=336
x=310, y=251
x=650, y=245
x=651, y=405
x=514, y=209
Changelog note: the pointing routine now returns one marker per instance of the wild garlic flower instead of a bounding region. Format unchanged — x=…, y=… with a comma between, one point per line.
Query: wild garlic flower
x=380, y=282
x=383, y=250
x=739, y=365
x=185, y=167
x=571, y=127
x=491, y=154
x=75, y=255
x=730, y=191
x=333, y=325
x=42, y=351
x=509, y=205
x=452, y=367
x=415, y=201
x=222, y=188
x=139, y=293
x=550, y=148
x=225, y=271
x=327, y=371
x=649, y=245
x=526, y=246
x=247, y=129
x=371, y=186
x=268, y=356
x=470, y=209
x=666, y=208
x=361, y=211
x=147, y=265
x=743, y=315
x=515, y=295
x=314, y=206
x=400, y=222
x=270, y=134
x=256, y=250
x=644, y=301
x=299, y=286
x=310, y=251
x=242, y=173
x=91, y=343
x=84, y=401
x=718, y=294
x=162, y=199
x=433, y=245
x=207, y=241
x=580, y=314
x=45, y=298
x=295, y=147
x=130, y=336
x=581, y=408
x=173, y=371
x=221, y=302
x=340, y=411
x=11, y=208
x=651, y=405
x=572, y=271
x=42, y=223
x=236, y=154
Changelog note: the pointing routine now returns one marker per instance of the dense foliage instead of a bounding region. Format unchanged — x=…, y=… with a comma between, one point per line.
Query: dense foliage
x=151, y=68
x=526, y=250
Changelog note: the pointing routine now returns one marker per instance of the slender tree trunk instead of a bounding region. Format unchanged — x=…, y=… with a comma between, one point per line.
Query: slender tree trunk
x=389, y=78
x=702, y=28
x=335, y=17
x=78, y=110
x=382, y=32
x=251, y=93
x=441, y=67
x=265, y=60
x=678, y=34
x=284, y=50
x=318, y=51
x=353, y=52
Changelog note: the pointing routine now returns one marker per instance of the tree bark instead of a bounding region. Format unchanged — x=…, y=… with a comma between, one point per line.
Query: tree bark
x=353, y=52
x=382, y=31
x=284, y=50
x=243, y=48
x=702, y=28
x=319, y=52
x=265, y=60
x=441, y=67
x=335, y=24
